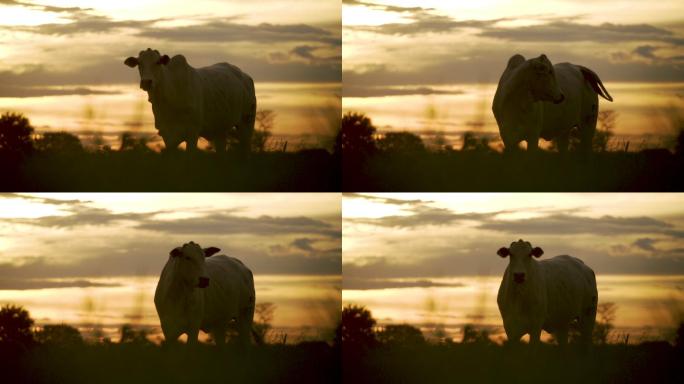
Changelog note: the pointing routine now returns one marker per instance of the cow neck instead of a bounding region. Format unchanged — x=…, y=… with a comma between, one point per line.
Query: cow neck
x=517, y=90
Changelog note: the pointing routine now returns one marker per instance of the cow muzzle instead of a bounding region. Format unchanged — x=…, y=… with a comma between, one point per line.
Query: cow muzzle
x=560, y=99
x=519, y=278
x=146, y=84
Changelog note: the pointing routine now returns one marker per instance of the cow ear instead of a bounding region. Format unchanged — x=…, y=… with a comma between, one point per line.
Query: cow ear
x=176, y=252
x=210, y=251
x=131, y=62
x=503, y=252
x=537, y=252
x=164, y=59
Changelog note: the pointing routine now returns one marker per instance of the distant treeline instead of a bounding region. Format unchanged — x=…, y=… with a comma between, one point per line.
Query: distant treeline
x=403, y=162
x=58, y=161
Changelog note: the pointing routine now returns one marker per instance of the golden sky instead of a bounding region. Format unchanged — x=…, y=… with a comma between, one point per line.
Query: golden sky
x=61, y=62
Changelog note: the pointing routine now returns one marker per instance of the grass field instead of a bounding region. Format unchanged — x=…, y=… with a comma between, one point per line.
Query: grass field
x=314, y=362
x=477, y=171
x=114, y=171
x=657, y=362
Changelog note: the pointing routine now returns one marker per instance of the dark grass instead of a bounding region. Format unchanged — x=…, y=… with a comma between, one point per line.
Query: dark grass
x=472, y=363
x=132, y=171
x=477, y=171
x=124, y=363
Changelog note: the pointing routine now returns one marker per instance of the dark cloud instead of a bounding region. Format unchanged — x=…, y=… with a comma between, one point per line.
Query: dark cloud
x=361, y=91
x=564, y=31
x=229, y=31
x=386, y=200
x=45, y=8
x=565, y=224
x=366, y=284
x=645, y=243
x=227, y=224
x=387, y=8
x=647, y=51
x=304, y=244
x=17, y=91
x=26, y=284
x=424, y=216
x=427, y=23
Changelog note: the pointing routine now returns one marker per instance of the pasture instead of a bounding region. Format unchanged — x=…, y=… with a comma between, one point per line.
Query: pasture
x=148, y=171
x=544, y=171
x=314, y=362
x=657, y=362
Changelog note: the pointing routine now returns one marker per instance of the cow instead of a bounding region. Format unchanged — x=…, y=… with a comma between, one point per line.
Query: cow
x=197, y=290
x=214, y=102
x=536, y=99
x=549, y=294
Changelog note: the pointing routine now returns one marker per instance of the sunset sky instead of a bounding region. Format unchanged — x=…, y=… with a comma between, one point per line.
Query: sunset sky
x=97, y=257
x=61, y=62
x=432, y=65
x=421, y=257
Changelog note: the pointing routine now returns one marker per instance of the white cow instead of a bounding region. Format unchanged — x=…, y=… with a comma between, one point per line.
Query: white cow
x=199, y=291
x=213, y=102
x=548, y=295
x=536, y=99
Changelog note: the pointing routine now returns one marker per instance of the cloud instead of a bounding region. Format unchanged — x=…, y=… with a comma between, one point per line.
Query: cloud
x=387, y=8
x=646, y=51
x=565, y=224
x=565, y=31
x=304, y=244
x=20, y=92
x=29, y=284
x=367, y=284
x=385, y=200
x=645, y=243
x=226, y=224
x=361, y=91
x=229, y=31
x=45, y=8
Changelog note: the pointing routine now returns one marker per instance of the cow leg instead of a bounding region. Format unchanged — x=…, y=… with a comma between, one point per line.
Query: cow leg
x=563, y=141
x=171, y=334
x=535, y=334
x=191, y=144
x=220, y=141
x=561, y=336
x=193, y=332
x=587, y=129
x=245, y=130
x=219, y=335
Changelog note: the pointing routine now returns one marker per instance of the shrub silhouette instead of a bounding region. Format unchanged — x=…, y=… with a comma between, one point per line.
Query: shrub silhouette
x=471, y=335
x=401, y=142
x=130, y=335
x=15, y=326
x=15, y=134
x=265, y=121
x=59, y=334
x=401, y=334
x=357, y=134
x=59, y=142
x=131, y=143
x=357, y=327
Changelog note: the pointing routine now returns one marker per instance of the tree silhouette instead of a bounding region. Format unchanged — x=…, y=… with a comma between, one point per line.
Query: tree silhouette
x=401, y=142
x=59, y=142
x=265, y=121
x=15, y=134
x=605, y=316
x=59, y=334
x=401, y=334
x=357, y=327
x=356, y=135
x=263, y=312
x=15, y=326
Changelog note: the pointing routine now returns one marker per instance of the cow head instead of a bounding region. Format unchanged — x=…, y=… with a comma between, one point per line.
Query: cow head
x=189, y=263
x=542, y=80
x=149, y=63
x=520, y=257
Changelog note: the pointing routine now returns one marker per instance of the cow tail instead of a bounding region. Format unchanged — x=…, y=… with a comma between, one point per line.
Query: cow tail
x=592, y=78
